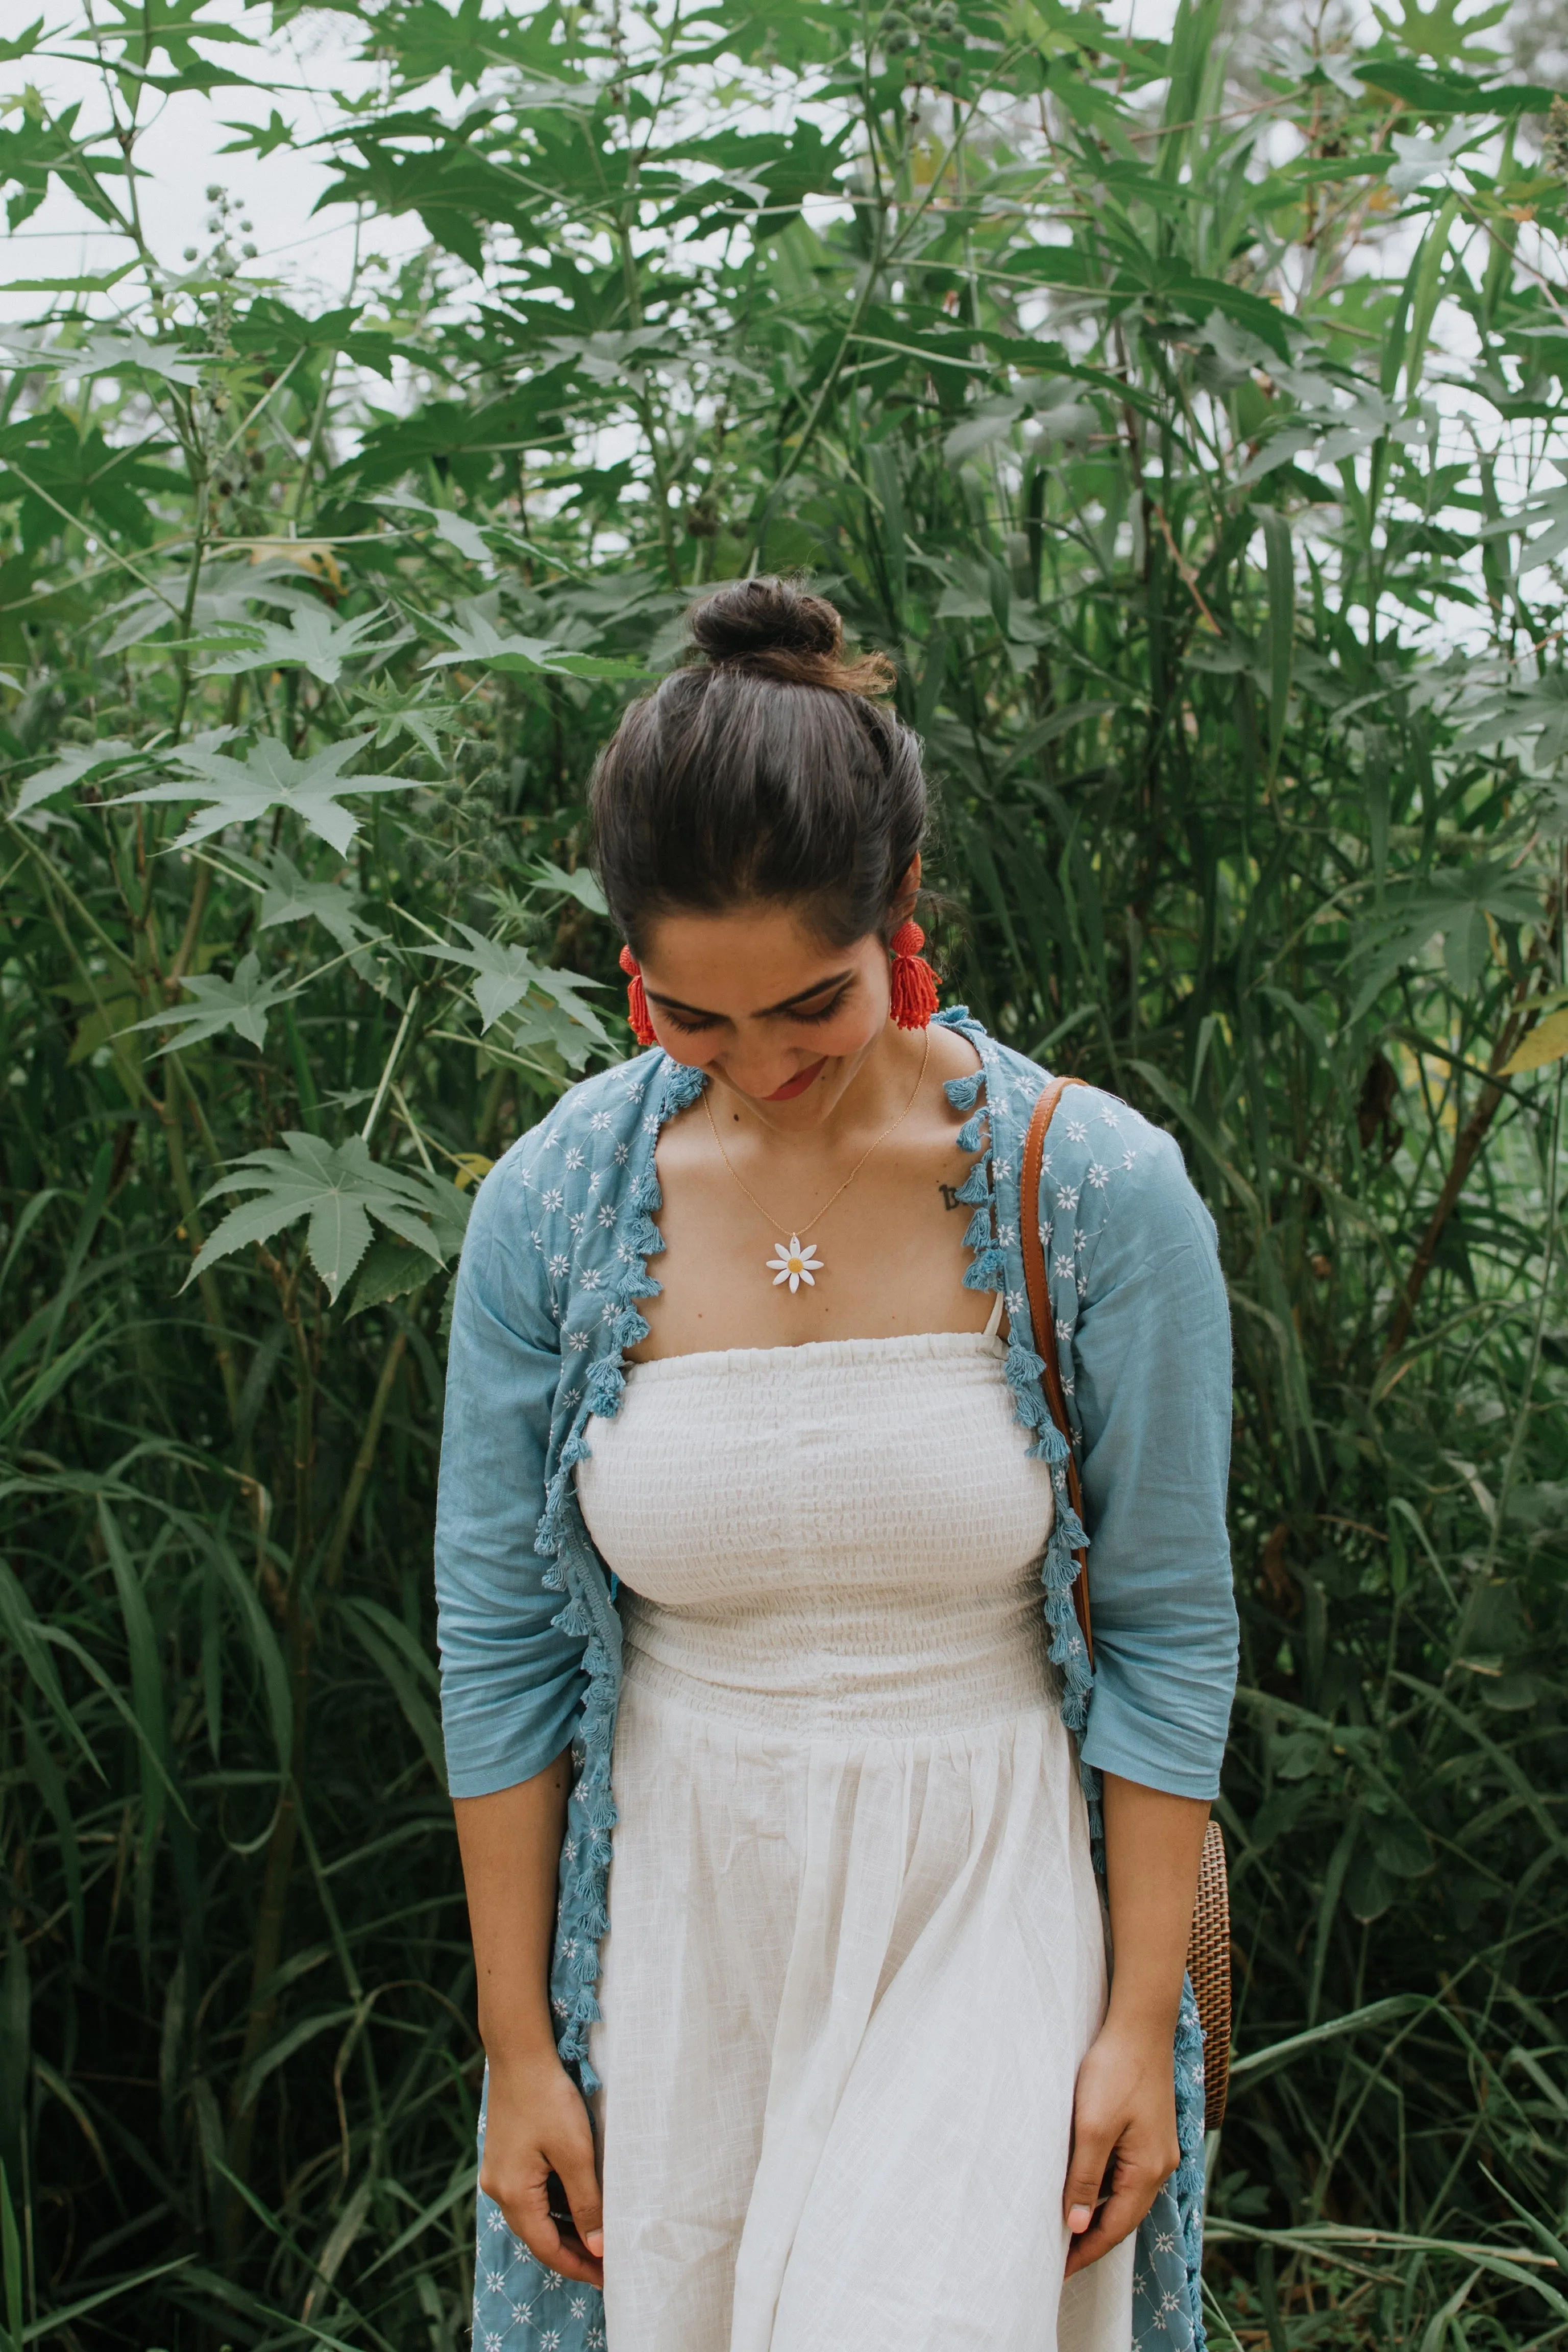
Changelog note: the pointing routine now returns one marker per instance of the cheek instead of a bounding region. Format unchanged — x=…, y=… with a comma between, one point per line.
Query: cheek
x=849, y=1032
x=694, y=1047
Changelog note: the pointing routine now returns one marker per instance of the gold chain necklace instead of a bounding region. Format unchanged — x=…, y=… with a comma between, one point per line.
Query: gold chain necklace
x=796, y=1261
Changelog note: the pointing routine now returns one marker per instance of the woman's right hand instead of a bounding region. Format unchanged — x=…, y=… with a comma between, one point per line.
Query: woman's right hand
x=536, y=2125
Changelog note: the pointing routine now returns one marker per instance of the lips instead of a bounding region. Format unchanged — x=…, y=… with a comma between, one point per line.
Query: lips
x=793, y=1086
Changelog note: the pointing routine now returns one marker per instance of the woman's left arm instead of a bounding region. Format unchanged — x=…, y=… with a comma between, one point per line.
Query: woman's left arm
x=1152, y=1390
x=1124, y=2107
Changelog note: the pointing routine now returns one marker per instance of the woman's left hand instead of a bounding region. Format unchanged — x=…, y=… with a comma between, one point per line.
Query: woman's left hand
x=1125, y=2145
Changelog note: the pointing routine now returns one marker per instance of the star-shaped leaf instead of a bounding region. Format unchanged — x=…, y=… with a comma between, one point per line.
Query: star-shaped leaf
x=243, y=791
x=505, y=973
x=545, y=875
x=108, y=355
x=479, y=645
x=291, y=897
x=216, y=1004
x=455, y=529
x=542, y=1024
x=339, y=1189
x=399, y=712
x=72, y=765
x=309, y=639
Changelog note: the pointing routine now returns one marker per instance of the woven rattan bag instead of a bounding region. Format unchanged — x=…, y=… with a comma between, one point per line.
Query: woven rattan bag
x=1208, y=1948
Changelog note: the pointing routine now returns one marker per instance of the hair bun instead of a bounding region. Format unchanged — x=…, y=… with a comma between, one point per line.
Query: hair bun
x=771, y=630
x=747, y=617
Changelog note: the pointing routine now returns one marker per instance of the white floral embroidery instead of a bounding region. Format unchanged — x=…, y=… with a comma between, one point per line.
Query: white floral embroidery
x=555, y=1199
x=1061, y=1265
x=1099, y=1177
x=1076, y=1131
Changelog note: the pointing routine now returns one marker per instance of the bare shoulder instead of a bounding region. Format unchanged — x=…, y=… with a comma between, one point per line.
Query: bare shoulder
x=950, y=1055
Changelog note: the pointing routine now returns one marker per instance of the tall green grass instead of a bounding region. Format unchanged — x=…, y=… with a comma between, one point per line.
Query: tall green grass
x=1199, y=474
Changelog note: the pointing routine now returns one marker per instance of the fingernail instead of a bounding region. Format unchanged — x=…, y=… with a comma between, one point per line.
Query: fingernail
x=1079, y=2220
x=594, y=2241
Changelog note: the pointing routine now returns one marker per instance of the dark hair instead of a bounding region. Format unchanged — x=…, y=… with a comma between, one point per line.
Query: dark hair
x=765, y=769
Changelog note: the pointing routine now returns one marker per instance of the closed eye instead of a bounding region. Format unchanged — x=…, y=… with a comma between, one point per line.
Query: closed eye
x=689, y=1024
x=827, y=1012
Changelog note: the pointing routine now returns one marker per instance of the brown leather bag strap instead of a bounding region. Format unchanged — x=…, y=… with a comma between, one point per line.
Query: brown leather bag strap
x=1044, y=1321
x=1208, y=1949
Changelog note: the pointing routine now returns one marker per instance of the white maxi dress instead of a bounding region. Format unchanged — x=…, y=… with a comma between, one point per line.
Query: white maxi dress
x=856, y=1949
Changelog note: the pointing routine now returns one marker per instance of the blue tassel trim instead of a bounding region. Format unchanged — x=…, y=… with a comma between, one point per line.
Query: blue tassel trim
x=976, y=1186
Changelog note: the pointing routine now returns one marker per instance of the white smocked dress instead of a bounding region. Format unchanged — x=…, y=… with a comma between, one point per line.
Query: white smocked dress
x=858, y=1949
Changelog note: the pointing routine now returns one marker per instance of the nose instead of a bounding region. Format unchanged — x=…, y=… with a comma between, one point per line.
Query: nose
x=759, y=1073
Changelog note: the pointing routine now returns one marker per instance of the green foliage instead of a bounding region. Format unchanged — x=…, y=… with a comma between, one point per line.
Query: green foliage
x=1183, y=437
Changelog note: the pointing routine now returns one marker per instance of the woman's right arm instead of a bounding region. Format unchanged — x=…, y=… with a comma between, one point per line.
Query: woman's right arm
x=536, y=2121
x=511, y=1691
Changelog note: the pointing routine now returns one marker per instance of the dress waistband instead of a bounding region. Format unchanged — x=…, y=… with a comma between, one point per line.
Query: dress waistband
x=845, y=1673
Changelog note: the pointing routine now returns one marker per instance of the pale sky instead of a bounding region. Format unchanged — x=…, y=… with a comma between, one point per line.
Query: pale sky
x=179, y=151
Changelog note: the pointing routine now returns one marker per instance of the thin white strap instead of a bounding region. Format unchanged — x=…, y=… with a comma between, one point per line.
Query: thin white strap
x=994, y=1325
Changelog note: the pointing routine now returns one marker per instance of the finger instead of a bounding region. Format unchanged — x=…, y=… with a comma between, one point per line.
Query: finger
x=1117, y=2218
x=579, y=2180
x=1092, y=2142
x=525, y=2206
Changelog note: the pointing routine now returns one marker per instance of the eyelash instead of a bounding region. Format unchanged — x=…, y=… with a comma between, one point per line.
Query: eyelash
x=690, y=1028
x=827, y=1010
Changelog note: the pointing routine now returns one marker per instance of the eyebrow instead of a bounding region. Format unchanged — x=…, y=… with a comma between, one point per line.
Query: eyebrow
x=801, y=996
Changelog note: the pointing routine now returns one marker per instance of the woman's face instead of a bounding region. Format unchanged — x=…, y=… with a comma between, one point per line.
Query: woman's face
x=754, y=997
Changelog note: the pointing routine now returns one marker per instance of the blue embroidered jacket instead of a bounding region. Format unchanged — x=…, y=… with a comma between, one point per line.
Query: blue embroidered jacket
x=555, y=1264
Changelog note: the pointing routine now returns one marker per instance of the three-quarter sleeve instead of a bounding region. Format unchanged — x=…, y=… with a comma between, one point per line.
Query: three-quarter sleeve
x=512, y=1684
x=1153, y=1395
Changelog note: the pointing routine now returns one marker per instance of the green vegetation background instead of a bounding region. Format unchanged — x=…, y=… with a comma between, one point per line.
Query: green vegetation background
x=1184, y=425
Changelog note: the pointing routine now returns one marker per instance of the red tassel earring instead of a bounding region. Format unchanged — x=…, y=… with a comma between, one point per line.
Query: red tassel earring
x=914, y=996
x=636, y=1000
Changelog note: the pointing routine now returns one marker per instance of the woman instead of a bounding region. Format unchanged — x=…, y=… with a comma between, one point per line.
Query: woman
x=746, y=1564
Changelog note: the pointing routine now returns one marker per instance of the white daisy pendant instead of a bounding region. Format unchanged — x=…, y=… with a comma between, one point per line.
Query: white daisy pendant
x=796, y=1264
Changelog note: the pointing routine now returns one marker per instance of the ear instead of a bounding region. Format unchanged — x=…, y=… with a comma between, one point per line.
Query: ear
x=904, y=897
